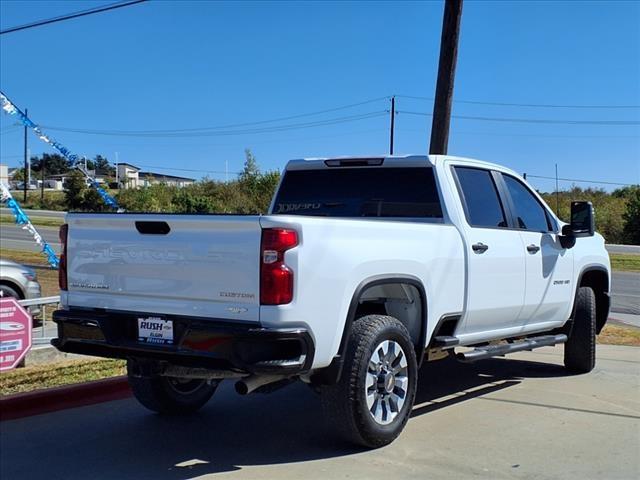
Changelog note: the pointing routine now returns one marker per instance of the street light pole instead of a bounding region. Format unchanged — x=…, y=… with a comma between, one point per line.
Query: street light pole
x=26, y=160
x=393, y=121
x=42, y=167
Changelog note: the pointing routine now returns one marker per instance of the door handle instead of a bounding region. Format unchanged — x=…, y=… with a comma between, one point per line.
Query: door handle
x=480, y=247
x=533, y=248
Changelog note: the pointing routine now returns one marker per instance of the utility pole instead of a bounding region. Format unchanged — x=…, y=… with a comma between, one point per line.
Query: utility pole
x=446, y=75
x=393, y=118
x=42, y=167
x=26, y=154
x=29, y=164
x=557, y=193
x=117, y=161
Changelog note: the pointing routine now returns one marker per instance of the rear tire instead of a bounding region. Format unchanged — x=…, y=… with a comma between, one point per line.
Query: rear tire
x=580, y=348
x=169, y=395
x=372, y=401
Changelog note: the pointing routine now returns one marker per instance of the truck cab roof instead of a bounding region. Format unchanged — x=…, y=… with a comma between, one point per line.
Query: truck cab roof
x=315, y=163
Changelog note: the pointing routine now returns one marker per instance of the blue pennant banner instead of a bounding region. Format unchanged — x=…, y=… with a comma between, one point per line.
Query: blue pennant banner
x=11, y=109
x=23, y=220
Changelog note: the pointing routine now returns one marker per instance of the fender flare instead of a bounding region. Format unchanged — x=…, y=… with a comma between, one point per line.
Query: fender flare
x=332, y=373
x=607, y=308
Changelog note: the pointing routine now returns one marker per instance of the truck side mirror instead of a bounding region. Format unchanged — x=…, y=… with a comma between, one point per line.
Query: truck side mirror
x=582, y=224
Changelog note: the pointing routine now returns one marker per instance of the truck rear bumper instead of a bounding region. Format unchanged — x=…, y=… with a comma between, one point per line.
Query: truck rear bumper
x=199, y=343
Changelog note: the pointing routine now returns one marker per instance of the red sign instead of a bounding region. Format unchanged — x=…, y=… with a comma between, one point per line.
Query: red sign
x=15, y=333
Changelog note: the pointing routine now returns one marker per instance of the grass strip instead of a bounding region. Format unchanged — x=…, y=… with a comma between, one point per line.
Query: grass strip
x=47, y=276
x=37, y=221
x=24, y=257
x=625, y=262
x=68, y=372
x=613, y=334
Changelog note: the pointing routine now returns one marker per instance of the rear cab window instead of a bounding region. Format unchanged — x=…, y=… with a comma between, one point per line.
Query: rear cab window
x=482, y=205
x=360, y=192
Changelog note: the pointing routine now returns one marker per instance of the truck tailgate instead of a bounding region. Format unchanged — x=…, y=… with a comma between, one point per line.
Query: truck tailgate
x=203, y=266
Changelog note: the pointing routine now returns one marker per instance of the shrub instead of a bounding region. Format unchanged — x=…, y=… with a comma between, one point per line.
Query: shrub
x=632, y=218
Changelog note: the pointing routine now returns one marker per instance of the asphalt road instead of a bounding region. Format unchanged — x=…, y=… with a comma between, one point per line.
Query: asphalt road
x=36, y=213
x=625, y=287
x=623, y=249
x=14, y=238
x=522, y=418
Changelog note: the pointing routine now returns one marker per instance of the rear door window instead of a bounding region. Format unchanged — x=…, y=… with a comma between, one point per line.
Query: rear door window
x=483, y=207
x=359, y=192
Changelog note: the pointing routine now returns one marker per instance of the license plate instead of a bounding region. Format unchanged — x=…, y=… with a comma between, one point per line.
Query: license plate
x=155, y=330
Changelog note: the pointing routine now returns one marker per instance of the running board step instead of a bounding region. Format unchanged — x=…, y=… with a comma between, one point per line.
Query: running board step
x=445, y=342
x=480, y=353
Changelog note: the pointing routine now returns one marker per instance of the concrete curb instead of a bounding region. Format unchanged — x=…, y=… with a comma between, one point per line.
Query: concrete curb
x=47, y=354
x=60, y=398
x=627, y=319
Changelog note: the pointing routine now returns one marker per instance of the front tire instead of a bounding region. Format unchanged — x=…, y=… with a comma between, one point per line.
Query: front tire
x=6, y=292
x=580, y=348
x=372, y=401
x=169, y=395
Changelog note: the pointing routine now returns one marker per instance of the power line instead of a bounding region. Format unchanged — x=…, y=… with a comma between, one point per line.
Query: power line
x=532, y=135
x=245, y=143
x=275, y=128
x=222, y=127
x=226, y=131
x=530, y=105
x=234, y=129
x=70, y=16
x=533, y=120
x=599, y=182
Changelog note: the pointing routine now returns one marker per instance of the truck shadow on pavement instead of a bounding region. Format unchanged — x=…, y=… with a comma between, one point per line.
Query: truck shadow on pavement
x=122, y=440
x=448, y=382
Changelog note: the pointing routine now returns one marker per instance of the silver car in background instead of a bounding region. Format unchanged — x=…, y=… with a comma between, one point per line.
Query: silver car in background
x=19, y=281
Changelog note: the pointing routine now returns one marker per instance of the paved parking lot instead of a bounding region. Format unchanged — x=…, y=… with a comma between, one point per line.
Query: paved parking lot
x=521, y=417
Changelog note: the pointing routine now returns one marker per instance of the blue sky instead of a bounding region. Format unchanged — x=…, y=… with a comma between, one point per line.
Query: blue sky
x=167, y=65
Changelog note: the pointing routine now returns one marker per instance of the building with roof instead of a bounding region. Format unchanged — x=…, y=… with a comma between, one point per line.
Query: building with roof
x=4, y=174
x=127, y=175
x=151, y=178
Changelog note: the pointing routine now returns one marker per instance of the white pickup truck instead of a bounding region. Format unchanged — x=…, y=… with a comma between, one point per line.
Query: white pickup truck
x=362, y=269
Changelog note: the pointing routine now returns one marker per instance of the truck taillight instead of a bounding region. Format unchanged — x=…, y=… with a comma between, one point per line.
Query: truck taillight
x=62, y=267
x=276, y=279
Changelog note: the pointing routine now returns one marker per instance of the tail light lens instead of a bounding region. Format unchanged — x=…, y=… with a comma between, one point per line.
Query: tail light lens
x=276, y=279
x=62, y=267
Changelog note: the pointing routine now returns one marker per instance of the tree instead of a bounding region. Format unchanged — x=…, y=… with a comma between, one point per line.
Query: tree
x=608, y=209
x=632, y=218
x=75, y=188
x=18, y=175
x=54, y=164
x=92, y=201
x=251, y=169
x=186, y=202
x=103, y=167
x=624, y=192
